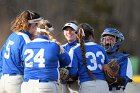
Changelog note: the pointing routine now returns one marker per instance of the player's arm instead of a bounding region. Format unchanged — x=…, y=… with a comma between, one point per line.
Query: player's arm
x=73, y=67
x=125, y=73
x=126, y=70
x=64, y=57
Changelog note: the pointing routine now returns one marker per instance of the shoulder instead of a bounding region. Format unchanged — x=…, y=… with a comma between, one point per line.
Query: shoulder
x=64, y=45
x=95, y=45
x=122, y=57
x=49, y=42
x=55, y=44
x=20, y=37
x=13, y=36
x=13, y=39
x=75, y=47
x=90, y=43
x=24, y=36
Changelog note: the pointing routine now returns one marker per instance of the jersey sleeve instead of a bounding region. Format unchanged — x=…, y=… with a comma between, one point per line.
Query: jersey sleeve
x=64, y=59
x=73, y=66
x=126, y=70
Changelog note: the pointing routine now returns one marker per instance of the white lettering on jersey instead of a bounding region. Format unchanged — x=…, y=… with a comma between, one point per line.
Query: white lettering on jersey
x=38, y=58
x=93, y=60
x=7, y=53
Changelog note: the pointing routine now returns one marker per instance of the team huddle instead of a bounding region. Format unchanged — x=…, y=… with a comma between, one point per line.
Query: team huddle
x=32, y=61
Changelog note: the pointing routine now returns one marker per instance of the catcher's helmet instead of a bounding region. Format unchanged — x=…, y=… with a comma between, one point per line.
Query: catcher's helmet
x=119, y=39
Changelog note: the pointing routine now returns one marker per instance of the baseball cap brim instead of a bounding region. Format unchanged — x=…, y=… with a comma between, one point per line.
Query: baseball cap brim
x=72, y=25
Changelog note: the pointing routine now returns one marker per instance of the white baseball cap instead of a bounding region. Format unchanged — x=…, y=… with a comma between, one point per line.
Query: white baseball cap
x=72, y=25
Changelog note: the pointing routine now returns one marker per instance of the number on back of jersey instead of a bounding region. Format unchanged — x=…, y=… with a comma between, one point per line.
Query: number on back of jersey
x=37, y=58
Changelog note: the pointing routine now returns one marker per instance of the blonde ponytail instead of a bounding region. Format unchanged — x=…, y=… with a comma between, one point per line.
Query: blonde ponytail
x=44, y=25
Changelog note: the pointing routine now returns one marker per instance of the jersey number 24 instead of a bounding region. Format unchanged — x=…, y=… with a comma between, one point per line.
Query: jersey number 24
x=37, y=58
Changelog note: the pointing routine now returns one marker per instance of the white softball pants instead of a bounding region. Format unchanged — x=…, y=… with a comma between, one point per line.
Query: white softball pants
x=11, y=84
x=34, y=86
x=94, y=86
x=116, y=91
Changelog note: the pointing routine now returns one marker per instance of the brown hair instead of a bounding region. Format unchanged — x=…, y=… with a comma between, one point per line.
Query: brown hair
x=21, y=21
x=84, y=32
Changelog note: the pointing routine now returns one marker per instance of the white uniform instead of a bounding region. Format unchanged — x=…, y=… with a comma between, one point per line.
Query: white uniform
x=95, y=86
x=34, y=86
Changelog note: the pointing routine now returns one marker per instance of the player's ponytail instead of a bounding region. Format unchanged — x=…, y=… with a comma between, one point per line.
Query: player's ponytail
x=81, y=36
x=23, y=21
x=85, y=31
x=44, y=28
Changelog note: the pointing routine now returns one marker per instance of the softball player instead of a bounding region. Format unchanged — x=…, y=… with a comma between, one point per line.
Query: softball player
x=1, y=56
x=89, y=58
x=69, y=30
x=42, y=58
x=111, y=40
x=23, y=26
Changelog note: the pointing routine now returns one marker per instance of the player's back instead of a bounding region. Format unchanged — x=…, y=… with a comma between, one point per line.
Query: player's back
x=12, y=51
x=41, y=58
x=95, y=58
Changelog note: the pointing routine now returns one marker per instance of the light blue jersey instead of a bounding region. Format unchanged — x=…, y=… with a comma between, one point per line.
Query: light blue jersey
x=125, y=70
x=95, y=57
x=12, y=63
x=42, y=59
